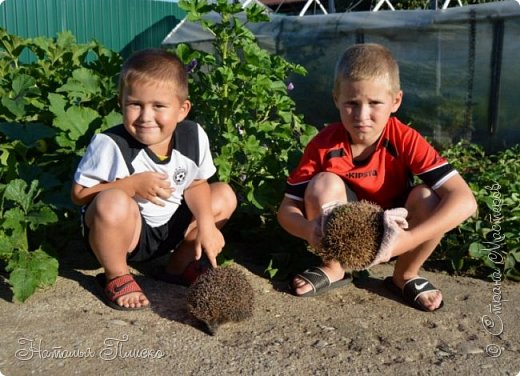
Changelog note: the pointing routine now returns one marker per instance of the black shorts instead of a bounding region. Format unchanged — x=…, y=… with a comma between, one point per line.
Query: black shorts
x=155, y=241
x=398, y=202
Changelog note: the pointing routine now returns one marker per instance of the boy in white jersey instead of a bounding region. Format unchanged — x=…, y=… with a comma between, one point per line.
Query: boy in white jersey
x=143, y=184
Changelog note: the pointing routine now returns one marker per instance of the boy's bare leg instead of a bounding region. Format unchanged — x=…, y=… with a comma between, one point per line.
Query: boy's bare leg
x=421, y=202
x=223, y=204
x=323, y=189
x=114, y=224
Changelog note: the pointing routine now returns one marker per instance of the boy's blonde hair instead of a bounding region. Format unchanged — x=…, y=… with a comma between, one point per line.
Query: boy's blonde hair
x=154, y=65
x=366, y=62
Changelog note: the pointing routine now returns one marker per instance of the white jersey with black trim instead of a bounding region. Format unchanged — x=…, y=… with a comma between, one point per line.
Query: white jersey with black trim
x=104, y=162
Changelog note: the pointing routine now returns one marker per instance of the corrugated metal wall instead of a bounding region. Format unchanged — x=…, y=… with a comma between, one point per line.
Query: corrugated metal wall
x=121, y=25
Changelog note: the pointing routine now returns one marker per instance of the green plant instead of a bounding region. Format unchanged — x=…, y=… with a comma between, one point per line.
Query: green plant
x=490, y=240
x=55, y=94
x=240, y=94
x=22, y=214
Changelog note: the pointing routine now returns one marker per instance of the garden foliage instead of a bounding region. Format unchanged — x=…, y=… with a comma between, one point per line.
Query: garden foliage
x=55, y=94
x=490, y=240
x=240, y=94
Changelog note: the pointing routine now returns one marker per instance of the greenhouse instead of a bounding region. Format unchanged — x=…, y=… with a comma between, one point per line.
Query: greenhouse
x=458, y=65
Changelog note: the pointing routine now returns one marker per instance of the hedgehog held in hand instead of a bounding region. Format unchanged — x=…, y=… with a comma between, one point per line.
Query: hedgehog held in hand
x=352, y=234
x=219, y=296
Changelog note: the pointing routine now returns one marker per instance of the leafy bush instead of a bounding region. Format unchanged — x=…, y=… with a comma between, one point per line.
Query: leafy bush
x=20, y=212
x=54, y=95
x=240, y=94
x=491, y=239
x=51, y=106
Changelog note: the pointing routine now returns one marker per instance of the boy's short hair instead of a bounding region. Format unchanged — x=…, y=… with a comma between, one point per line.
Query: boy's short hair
x=367, y=61
x=157, y=66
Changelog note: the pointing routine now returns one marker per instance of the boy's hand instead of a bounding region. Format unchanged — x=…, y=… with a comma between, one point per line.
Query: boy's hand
x=394, y=236
x=152, y=186
x=211, y=241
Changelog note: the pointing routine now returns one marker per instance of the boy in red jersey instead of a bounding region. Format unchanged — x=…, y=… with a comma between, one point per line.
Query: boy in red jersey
x=371, y=155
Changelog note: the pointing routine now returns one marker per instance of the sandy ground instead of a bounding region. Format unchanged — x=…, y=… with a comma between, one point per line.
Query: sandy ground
x=359, y=329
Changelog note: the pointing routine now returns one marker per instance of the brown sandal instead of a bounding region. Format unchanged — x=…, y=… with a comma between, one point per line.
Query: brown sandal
x=117, y=287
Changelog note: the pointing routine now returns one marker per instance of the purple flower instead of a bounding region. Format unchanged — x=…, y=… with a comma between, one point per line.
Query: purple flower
x=290, y=86
x=191, y=66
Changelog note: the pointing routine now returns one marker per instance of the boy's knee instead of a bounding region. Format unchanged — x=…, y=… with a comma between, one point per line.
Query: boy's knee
x=323, y=189
x=421, y=202
x=325, y=183
x=224, y=197
x=113, y=206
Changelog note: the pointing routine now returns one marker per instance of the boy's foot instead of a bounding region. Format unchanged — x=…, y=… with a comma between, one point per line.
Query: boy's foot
x=417, y=292
x=187, y=277
x=315, y=281
x=122, y=293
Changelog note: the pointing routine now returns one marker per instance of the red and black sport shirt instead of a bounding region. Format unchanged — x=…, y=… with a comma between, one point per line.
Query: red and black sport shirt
x=385, y=177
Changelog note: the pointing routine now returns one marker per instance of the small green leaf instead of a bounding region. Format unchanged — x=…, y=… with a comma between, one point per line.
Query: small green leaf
x=6, y=247
x=510, y=262
x=75, y=121
x=16, y=191
x=42, y=216
x=112, y=119
x=65, y=40
x=57, y=104
x=14, y=220
x=477, y=250
x=44, y=266
x=66, y=143
x=30, y=270
x=12, y=44
x=83, y=84
x=23, y=85
x=251, y=197
x=17, y=108
x=270, y=270
x=23, y=284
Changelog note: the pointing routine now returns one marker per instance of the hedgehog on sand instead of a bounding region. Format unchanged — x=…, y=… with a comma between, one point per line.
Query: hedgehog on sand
x=219, y=296
x=358, y=234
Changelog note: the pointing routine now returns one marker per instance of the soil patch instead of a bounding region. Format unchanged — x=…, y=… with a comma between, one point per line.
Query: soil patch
x=359, y=329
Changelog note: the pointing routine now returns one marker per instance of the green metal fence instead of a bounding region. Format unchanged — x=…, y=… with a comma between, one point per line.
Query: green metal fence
x=121, y=25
